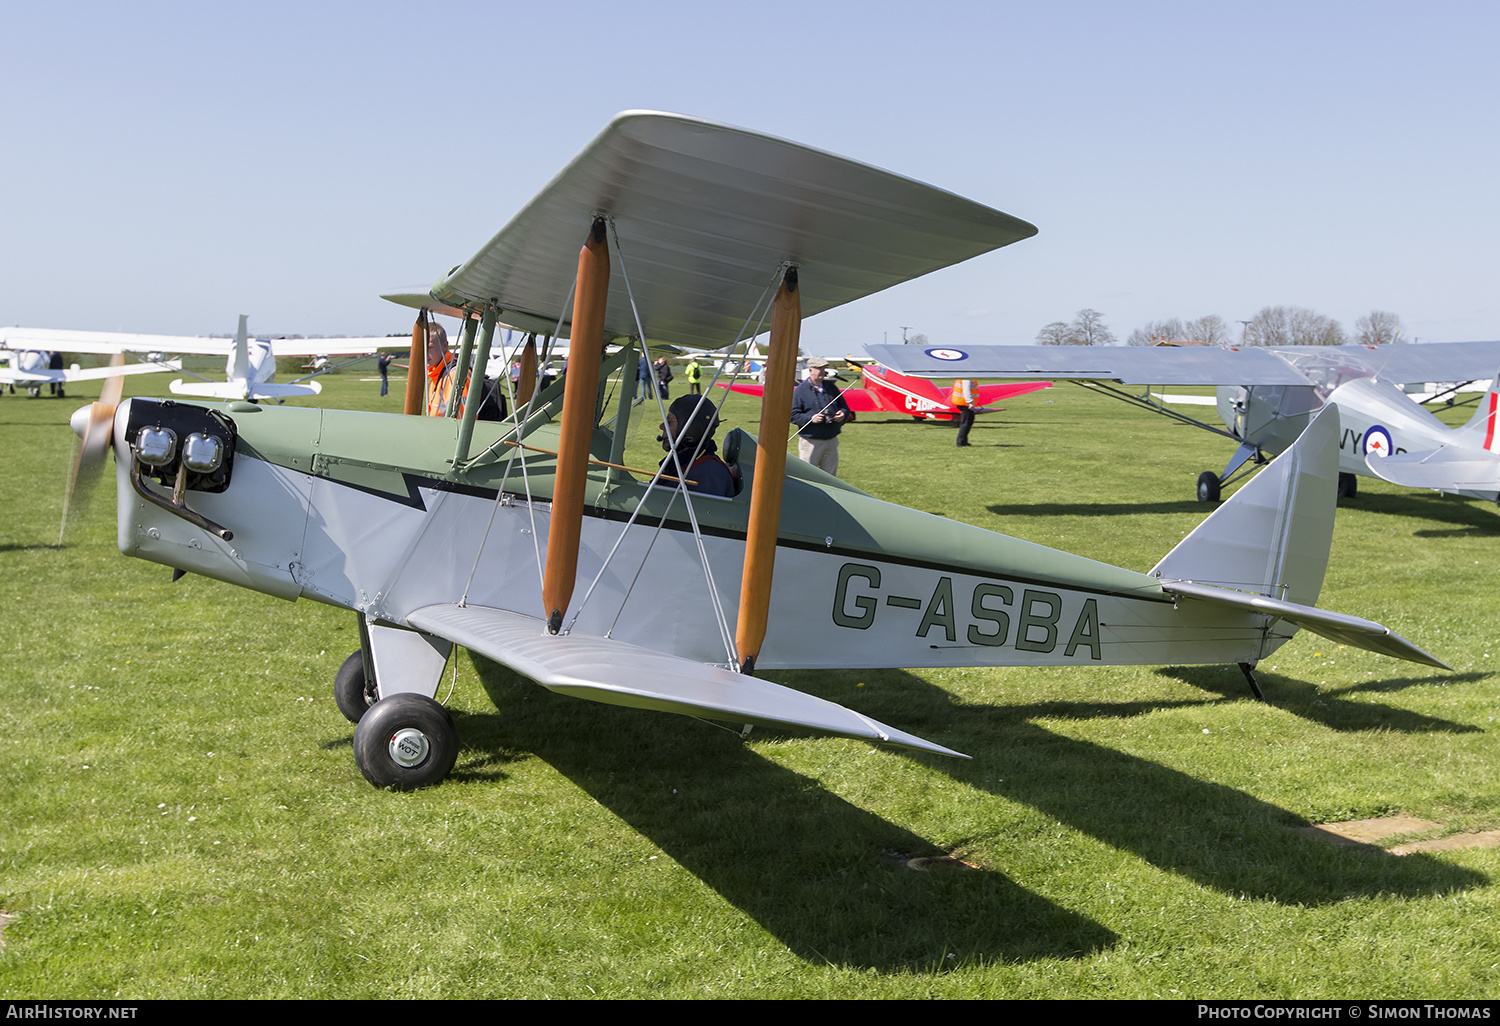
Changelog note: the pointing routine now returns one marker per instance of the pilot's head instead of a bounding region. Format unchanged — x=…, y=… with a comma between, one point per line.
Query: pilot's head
x=690, y=419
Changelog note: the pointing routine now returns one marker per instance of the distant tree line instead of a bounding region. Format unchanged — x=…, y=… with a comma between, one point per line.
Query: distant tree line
x=1272, y=326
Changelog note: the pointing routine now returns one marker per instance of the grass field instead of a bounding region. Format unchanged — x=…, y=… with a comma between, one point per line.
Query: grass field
x=183, y=817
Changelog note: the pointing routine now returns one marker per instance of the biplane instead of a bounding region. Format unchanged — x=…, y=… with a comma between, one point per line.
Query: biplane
x=250, y=363
x=887, y=391
x=1267, y=396
x=530, y=543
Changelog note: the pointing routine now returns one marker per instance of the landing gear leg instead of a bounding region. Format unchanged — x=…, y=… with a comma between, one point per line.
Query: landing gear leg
x=1246, y=669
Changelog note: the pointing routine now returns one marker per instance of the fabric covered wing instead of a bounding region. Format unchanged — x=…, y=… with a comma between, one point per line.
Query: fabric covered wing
x=706, y=213
x=616, y=673
x=1166, y=365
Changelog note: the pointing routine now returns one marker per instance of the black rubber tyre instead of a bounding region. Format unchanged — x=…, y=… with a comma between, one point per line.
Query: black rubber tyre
x=405, y=741
x=1208, y=486
x=1348, y=486
x=350, y=690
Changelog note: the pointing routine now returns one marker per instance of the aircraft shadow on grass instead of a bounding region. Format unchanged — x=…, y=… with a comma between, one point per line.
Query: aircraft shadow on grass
x=1468, y=516
x=1215, y=835
x=1324, y=706
x=825, y=877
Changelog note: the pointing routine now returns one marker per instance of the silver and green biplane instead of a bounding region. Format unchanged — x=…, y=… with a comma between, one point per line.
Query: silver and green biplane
x=527, y=542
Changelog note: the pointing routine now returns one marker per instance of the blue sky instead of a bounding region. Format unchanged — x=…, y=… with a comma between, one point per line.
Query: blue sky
x=165, y=167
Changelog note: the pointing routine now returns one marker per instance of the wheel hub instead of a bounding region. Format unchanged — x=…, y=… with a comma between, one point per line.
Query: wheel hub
x=409, y=747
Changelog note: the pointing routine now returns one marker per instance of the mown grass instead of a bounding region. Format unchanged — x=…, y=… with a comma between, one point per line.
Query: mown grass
x=183, y=817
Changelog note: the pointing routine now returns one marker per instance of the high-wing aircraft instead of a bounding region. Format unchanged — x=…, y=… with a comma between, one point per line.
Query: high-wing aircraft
x=888, y=391
x=1268, y=396
x=250, y=363
x=528, y=542
x=33, y=369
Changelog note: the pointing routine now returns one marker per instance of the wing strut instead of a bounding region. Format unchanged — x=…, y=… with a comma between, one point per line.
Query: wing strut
x=416, y=367
x=770, y=470
x=576, y=424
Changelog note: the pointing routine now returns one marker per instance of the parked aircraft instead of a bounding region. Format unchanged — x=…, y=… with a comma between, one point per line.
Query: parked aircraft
x=33, y=369
x=530, y=543
x=250, y=363
x=1267, y=396
x=888, y=391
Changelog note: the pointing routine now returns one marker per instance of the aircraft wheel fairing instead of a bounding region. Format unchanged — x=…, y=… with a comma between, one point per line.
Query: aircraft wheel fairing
x=405, y=741
x=1208, y=486
x=353, y=692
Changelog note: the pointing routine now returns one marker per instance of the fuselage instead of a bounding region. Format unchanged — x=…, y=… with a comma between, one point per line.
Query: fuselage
x=363, y=511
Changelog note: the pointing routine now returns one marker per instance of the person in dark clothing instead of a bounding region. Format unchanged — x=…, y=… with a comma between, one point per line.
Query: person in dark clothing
x=663, y=375
x=691, y=421
x=383, y=361
x=643, y=380
x=820, y=412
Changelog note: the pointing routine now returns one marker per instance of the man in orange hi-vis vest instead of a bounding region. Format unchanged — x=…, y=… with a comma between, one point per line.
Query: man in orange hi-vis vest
x=964, y=391
x=440, y=368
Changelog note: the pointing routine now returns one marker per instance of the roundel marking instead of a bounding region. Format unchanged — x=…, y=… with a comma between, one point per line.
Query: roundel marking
x=947, y=354
x=1377, y=441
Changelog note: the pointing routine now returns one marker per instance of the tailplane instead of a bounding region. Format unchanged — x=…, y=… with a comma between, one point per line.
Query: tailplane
x=1266, y=549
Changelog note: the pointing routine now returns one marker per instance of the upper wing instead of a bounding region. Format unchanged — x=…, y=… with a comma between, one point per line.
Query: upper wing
x=705, y=215
x=617, y=673
x=1127, y=364
x=1200, y=365
x=109, y=342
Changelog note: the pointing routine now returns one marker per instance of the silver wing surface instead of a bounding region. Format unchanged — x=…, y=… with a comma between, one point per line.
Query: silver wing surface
x=706, y=214
x=109, y=342
x=617, y=673
x=1200, y=365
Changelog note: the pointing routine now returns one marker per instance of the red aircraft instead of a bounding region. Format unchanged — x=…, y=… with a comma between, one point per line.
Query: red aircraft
x=887, y=391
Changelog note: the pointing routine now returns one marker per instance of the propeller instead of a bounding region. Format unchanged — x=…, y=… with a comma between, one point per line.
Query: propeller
x=93, y=424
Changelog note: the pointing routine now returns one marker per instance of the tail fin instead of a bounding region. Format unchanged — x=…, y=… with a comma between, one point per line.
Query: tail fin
x=1271, y=539
x=1272, y=536
x=240, y=359
x=1481, y=430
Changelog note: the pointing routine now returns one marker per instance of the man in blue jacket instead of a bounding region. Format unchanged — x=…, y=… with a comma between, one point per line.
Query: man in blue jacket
x=819, y=411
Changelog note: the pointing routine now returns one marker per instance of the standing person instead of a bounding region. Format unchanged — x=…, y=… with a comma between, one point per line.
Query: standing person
x=663, y=376
x=643, y=380
x=440, y=367
x=383, y=361
x=964, y=391
x=819, y=411
x=694, y=375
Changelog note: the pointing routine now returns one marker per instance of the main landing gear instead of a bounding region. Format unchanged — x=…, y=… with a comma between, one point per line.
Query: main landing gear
x=404, y=739
x=1208, y=486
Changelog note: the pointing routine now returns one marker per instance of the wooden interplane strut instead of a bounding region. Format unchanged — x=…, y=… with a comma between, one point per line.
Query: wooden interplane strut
x=770, y=470
x=416, y=368
x=580, y=392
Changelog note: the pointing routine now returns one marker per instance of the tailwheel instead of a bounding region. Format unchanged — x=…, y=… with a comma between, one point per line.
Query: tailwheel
x=353, y=688
x=1208, y=486
x=405, y=741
